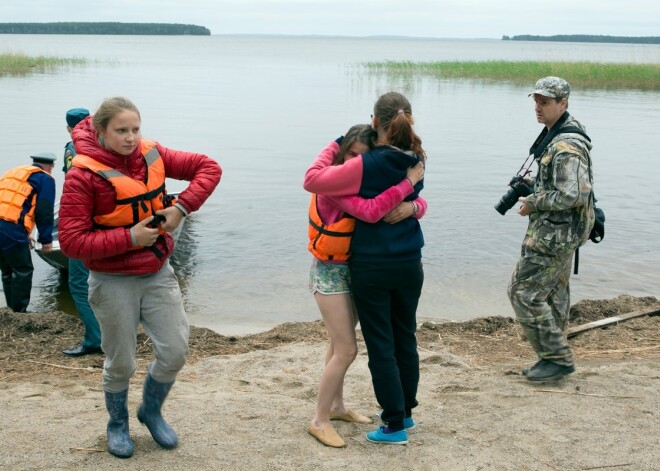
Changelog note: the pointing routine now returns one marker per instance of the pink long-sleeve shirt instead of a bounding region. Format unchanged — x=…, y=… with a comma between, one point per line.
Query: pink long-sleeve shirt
x=332, y=208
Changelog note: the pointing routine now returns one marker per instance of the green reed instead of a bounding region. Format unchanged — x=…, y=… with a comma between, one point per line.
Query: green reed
x=579, y=74
x=20, y=64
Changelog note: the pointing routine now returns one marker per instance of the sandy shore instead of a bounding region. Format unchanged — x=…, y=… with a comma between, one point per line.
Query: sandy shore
x=249, y=411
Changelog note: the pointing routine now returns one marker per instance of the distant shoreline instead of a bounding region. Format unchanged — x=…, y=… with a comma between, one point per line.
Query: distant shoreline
x=105, y=28
x=589, y=38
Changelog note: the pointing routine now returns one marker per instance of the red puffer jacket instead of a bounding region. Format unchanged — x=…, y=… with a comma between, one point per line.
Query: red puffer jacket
x=86, y=195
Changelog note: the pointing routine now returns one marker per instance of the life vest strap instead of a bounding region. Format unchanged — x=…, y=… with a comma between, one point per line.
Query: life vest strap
x=322, y=230
x=156, y=252
x=146, y=196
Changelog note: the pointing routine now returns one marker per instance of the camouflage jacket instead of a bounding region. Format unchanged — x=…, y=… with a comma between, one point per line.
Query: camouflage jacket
x=562, y=204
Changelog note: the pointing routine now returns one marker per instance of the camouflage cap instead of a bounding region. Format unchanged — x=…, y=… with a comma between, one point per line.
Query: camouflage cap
x=553, y=87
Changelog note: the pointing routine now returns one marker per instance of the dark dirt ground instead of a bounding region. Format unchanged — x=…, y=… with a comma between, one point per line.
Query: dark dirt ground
x=31, y=344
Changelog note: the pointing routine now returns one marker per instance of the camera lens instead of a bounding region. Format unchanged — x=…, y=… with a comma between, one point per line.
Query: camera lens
x=507, y=201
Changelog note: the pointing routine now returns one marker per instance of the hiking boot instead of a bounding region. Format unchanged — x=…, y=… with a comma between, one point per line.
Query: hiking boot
x=548, y=370
x=388, y=437
x=527, y=369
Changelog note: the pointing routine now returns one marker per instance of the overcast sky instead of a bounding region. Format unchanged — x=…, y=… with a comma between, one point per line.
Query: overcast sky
x=426, y=18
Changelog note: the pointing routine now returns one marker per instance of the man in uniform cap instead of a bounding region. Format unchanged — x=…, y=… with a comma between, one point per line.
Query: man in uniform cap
x=561, y=216
x=73, y=117
x=76, y=115
x=78, y=273
x=44, y=159
x=28, y=198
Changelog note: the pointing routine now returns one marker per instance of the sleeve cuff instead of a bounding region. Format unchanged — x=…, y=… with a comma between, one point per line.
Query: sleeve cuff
x=182, y=209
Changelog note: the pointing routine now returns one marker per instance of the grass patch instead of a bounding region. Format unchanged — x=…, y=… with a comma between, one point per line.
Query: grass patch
x=579, y=74
x=20, y=64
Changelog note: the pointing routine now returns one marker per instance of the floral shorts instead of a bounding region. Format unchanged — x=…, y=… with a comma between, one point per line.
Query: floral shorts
x=329, y=278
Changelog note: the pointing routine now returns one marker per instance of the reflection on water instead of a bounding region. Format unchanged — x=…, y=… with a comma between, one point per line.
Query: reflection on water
x=51, y=293
x=185, y=260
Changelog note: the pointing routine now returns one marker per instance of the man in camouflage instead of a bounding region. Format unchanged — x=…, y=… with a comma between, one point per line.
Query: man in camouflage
x=561, y=216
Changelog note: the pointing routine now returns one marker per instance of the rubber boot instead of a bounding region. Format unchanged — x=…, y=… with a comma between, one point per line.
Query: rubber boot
x=21, y=290
x=153, y=396
x=17, y=270
x=6, y=287
x=119, y=441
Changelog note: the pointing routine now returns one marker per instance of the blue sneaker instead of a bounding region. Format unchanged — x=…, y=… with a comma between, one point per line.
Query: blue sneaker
x=387, y=437
x=408, y=422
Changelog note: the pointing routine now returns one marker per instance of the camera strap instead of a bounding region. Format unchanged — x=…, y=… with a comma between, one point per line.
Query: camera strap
x=546, y=136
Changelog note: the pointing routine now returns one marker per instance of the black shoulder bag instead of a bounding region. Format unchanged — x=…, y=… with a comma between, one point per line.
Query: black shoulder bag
x=598, y=231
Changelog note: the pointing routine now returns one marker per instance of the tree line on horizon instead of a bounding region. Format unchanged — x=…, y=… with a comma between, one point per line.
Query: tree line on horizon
x=164, y=29
x=591, y=38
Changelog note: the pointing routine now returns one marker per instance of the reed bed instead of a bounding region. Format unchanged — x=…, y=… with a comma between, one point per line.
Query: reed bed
x=20, y=64
x=580, y=74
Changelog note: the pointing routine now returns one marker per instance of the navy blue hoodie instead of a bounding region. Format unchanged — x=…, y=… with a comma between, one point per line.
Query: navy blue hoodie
x=383, y=167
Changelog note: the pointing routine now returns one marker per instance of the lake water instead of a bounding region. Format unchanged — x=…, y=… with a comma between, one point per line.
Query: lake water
x=265, y=106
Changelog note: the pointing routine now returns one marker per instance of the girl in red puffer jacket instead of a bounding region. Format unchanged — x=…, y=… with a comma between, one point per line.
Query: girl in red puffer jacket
x=111, y=199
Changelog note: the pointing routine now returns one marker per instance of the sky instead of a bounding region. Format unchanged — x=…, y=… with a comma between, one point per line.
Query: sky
x=419, y=18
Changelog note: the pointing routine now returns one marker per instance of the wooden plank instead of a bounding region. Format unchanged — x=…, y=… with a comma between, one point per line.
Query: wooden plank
x=612, y=320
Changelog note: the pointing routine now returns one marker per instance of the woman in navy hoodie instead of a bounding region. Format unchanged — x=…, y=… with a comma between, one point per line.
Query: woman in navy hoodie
x=385, y=263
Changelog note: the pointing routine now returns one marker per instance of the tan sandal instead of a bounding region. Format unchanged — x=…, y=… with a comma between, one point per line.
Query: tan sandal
x=351, y=416
x=327, y=435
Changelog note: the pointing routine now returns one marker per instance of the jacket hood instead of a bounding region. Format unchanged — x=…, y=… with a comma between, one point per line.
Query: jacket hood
x=392, y=161
x=385, y=166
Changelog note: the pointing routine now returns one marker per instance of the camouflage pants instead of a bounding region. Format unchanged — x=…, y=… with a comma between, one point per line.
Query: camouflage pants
x=540, y=297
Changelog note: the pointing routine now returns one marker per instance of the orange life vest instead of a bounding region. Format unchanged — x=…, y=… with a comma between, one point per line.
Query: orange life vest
x=329, y=242
x=14, y=190
x=136, y=200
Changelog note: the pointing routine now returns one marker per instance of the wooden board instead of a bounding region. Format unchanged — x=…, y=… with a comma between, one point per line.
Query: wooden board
x=612, y=320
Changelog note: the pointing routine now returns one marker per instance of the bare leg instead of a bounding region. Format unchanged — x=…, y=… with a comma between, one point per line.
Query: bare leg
x=339, y=317
x=338, y=406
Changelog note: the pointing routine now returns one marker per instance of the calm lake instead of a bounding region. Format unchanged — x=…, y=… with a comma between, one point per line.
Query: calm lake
x=263, y=107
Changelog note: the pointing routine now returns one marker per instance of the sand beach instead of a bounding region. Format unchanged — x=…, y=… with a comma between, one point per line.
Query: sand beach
x=243, y=403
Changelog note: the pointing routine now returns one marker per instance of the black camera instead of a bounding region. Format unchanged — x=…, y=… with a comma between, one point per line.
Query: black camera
x=519, y=187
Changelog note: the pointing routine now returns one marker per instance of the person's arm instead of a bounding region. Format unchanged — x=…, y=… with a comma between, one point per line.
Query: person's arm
x=44, y=206
x=422, y=206
x=201, y=171
x=408, y=209
x=69, y=154
x=323, y=178
x=372, y=210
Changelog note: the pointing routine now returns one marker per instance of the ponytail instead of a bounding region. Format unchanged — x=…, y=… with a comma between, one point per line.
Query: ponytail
x=394, y=114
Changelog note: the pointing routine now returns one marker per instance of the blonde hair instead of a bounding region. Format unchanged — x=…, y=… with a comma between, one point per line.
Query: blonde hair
x=109, y=109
